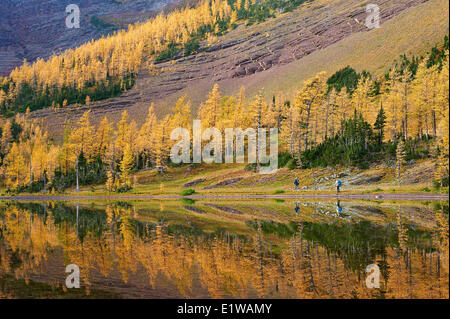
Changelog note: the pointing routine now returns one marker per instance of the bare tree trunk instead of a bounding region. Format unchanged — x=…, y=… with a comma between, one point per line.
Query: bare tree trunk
x=30, y=170
x=299, y=154
x=332, y=127
x=403, y=127
x=260, y=257
x=307, y=127
x=326, y=118
x=433, y=117
x=291, y=128
x=315, y=129
x=258, y=164
x=78, y=185
x=77, y=221
x=405, y=110
x=309, y=266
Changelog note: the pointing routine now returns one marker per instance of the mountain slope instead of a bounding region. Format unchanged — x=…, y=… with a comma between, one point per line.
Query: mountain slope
x=278, y=55
x=36, y=28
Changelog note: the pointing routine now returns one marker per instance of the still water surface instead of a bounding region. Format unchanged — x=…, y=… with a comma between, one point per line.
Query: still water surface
x=224, y=249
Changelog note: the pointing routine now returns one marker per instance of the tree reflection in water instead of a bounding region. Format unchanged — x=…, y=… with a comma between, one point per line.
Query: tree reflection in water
x=118, y=250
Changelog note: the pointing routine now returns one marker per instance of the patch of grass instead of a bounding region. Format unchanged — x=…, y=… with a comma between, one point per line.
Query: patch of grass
x=187, y=192
x=426, y=189
x=279, y=191
x=188, y=201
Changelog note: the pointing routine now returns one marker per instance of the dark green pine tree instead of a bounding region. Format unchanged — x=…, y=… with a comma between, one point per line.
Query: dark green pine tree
x=379, y=124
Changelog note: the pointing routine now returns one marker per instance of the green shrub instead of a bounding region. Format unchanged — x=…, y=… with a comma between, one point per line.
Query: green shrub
x=190, y=47
x=284, y=158
x=169, y=53
x=252, y=166
x=188, y=201
x=390, y=150
x=437, y=183
x=338, y=150
x=188, y=192
x=292, y=164
x=124, y=189
x=347, y=77
x=279, y=191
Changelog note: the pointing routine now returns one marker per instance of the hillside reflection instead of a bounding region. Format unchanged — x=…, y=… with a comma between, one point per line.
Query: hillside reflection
x=183, y=252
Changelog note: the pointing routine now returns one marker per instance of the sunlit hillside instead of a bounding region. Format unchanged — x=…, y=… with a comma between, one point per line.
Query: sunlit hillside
x=340, y=95
x=277, y=59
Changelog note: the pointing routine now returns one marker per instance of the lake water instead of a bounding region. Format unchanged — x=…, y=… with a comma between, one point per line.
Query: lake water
x=224, y=249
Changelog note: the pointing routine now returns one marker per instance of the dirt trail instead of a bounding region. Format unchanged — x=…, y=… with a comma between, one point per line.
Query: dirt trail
x=405, y=196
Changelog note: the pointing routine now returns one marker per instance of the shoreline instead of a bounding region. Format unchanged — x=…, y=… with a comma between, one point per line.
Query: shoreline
x=378, y=196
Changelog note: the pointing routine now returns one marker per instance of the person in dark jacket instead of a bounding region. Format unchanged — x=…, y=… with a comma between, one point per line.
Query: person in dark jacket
x=297, y=208
x=338, y=186
x=296, y=183
x=338, y=208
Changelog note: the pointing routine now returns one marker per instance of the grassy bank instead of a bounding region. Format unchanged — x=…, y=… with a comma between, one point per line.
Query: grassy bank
x=232, y=179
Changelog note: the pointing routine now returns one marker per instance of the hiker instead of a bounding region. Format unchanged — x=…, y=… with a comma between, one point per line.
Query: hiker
x=296, y=183
x=338, y=185
x=297, y=208
x=338, y=207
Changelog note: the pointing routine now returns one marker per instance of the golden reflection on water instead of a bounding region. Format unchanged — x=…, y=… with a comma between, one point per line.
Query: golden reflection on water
x=118, y=252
